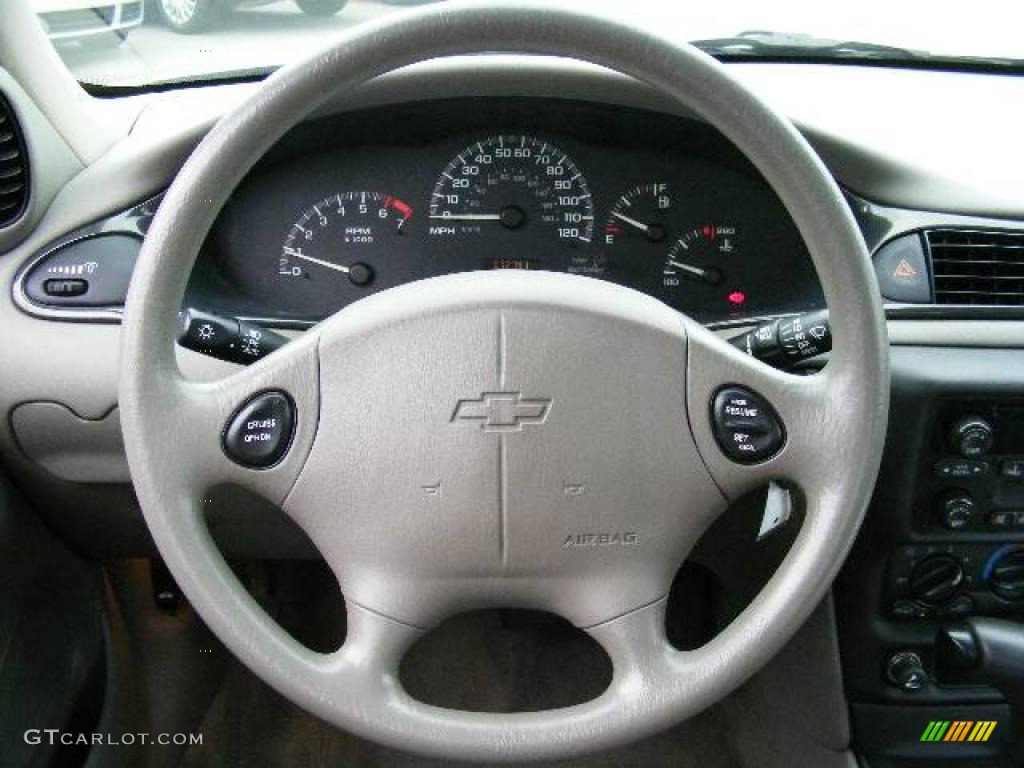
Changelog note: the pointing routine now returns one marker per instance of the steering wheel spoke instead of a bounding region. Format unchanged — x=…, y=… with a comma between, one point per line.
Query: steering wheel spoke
x=735, y=401
x=639, y=650
x=370, y=657
x=253, y=429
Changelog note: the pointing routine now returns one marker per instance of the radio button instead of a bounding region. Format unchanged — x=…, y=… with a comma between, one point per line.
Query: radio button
x=956, y=510
x=1012, y=468
x=972, y=436
x=961, y=468
x=1002, y=519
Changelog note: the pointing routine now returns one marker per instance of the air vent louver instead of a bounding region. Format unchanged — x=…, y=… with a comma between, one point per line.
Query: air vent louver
x=977, y=267
x=13, y=167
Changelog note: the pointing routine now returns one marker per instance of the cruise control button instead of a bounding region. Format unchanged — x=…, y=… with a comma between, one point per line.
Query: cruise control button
x=259, y=433
x=746, y=427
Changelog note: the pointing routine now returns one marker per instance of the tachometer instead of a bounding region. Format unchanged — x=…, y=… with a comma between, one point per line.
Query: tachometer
x=509, y=184
x=332, y=235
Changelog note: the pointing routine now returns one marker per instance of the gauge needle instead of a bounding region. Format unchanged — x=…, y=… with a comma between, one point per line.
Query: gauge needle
x=688, y=268
x=468, y=216
x=632, y=222
x=323, y=263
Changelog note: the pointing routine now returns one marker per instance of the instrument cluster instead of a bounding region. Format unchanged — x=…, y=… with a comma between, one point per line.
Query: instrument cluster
x=347, y=207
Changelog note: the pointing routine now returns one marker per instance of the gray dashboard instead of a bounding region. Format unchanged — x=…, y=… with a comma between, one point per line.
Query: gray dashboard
x=67, y=370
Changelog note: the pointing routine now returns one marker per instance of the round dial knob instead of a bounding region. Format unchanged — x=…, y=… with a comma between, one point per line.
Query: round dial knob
x=936, y=579
x=1006, y=578
x=971, y=436
x=906, y=671
x=956, y=510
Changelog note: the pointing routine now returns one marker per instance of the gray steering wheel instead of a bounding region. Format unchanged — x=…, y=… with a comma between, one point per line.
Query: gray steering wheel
x=424, y=505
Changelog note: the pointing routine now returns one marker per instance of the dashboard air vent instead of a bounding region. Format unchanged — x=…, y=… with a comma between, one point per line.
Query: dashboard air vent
x=13, y=167
x=977, y=267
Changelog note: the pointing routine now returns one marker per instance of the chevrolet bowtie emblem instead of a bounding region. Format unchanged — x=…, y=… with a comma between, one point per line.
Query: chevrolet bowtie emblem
x=502, y=411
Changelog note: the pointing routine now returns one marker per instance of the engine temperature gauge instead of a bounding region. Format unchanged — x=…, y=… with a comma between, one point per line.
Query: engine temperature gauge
x=701, y=255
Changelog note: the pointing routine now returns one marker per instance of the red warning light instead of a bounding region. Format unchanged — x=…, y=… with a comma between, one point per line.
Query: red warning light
x=708, y=230
x=737, y=298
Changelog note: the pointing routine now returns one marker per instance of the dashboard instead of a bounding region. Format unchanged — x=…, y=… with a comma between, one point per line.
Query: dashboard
x=905, y=174
x=345, y=207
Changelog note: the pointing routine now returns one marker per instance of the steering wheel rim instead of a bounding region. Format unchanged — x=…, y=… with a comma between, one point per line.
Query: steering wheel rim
x=835, y=419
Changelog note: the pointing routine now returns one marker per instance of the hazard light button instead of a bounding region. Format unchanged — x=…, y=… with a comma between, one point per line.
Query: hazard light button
x=902, y=270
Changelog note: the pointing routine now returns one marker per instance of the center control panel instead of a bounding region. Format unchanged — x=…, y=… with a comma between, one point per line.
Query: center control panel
x=971, y=477
x=942, y=543
x=968, y=514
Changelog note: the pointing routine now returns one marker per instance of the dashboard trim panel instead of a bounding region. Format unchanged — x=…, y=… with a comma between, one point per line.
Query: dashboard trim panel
x=132, y=221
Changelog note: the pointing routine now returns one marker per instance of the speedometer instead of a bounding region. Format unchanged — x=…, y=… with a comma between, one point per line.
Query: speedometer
x=506, y=185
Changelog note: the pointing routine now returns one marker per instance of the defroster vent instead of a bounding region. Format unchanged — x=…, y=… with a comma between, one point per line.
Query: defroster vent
x=977, y=267
x=13, y=167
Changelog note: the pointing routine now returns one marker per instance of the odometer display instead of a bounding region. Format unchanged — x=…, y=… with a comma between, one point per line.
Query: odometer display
x=509, y=184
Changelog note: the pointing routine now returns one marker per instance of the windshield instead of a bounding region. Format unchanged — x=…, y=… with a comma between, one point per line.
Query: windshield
x=138, y=43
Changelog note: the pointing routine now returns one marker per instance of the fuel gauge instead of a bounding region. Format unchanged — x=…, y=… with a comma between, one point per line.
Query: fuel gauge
x=639, y=217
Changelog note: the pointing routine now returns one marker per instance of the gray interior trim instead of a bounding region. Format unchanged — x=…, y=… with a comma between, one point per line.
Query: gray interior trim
x=949, y=333
x=70, y=447
x=957, y=333
x=51, y=162
x=88, y=126
x=881, y=134
x=886, y=222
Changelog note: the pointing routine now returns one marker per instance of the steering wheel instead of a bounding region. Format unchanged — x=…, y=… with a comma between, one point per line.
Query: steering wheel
x=511, y=439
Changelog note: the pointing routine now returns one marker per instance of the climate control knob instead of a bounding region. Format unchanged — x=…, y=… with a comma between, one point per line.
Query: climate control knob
x=956, y=510
x=936, y=579
x=1005, y=574
x=971, y=436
